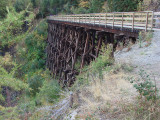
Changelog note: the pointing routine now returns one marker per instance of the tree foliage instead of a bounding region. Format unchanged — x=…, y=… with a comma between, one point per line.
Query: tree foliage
x=11, y=28
x=21, y=5
x=96, y=6
x=122, y=5
x=3, y=11
x=48, y=7
x=33, y=56
x=8, y=69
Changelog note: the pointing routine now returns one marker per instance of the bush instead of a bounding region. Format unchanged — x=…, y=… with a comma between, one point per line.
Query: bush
x=48, y=7
x=80, y=10
x=122, y=5
x=7, y=76
x=145, y=86
x=20, y=5
x=11, y=28
x=50, y=91
x=96, y=67
x=3, y=10
x=145, y=37
x=35, y=83
x=96, y=6
x=33, y=53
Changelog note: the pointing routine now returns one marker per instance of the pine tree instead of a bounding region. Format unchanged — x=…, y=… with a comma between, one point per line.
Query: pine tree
x=122, y=5
x=3, y=12
x=8, y=79
x=96, y=6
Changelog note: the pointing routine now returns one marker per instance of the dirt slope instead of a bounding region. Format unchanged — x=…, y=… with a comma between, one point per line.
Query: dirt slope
x=146, y=58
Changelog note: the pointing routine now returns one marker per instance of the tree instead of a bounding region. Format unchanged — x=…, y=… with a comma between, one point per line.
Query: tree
x=122, y=5
x=3, y=11
x=48, y=7
x=96, y=6
x=8, y=79
x=11, y=27
x=21, y=5
x=69, y=6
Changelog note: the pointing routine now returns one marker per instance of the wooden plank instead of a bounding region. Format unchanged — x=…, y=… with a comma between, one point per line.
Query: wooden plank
x=99, y=45
x=85, y=49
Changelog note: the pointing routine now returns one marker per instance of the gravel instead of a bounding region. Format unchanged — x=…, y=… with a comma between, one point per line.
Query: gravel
x=145, y=58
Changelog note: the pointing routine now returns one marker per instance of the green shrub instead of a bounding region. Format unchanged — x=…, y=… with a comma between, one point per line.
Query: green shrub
x=20, y=5
x=148, y=38
x=3, y=10
x=122, y=5
x=104, y=59
x=33, y=53
x=127, y=68
x=145, y=37
x=7, y=76
x=35, y=83
x=145, y=86
x=11, y=27
x=96, y=6
x=50, y=91
x=79, y=10
x=28, y=106
x=96, y=67
x=51, y=7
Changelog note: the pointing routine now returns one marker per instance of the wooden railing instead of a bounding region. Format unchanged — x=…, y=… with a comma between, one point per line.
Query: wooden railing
x=133, y=20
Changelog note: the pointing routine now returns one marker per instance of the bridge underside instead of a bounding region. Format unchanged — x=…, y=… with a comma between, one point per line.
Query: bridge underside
x=69, y=43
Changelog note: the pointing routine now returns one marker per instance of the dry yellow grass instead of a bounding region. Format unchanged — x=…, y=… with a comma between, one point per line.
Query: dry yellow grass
x=107, y=96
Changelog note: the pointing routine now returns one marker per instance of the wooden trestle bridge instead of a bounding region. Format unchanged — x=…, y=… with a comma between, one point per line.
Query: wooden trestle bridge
x=79, y=37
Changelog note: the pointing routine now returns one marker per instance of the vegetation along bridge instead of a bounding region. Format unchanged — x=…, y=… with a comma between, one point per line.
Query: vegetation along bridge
x=73, y=38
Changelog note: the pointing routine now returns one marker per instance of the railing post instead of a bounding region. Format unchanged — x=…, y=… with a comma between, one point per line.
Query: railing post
x=94, y=19
x=99, y=20
x=105, y=20
x=122, y=21
x=89, y=18
x=113, y=21
x=146, y=22
x=71, y=18
x=152, y=20
x=132, y=22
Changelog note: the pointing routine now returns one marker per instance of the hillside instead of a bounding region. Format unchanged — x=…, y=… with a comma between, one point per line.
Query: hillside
x=115, y=94
x=123, y=87
x=143, y=56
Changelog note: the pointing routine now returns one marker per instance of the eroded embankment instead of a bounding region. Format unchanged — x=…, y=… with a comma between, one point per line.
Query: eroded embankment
x=146, y=58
